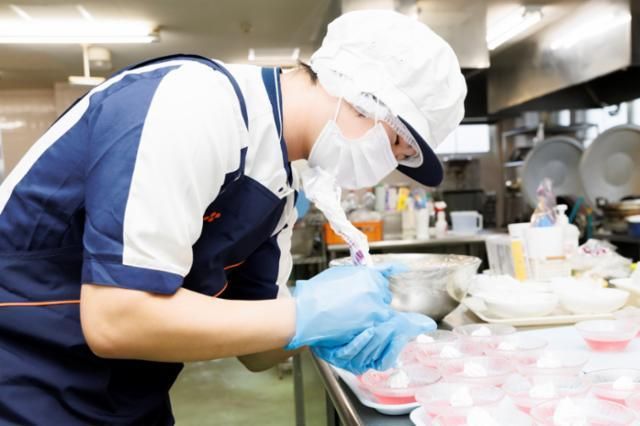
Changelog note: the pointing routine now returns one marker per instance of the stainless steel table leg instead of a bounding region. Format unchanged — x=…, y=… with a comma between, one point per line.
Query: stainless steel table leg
x=298, y=390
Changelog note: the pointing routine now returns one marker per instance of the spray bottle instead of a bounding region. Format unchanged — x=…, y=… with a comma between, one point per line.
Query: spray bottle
x=441, y=219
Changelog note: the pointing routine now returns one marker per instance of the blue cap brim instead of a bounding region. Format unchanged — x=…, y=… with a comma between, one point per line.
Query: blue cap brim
x=430, y=172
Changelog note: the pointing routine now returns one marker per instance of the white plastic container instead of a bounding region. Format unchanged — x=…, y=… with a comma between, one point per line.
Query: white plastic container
x=422, y=224
x=466, y=222
x=545, y=253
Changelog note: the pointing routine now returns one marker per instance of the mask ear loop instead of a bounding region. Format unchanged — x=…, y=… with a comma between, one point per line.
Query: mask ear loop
x=335, y=116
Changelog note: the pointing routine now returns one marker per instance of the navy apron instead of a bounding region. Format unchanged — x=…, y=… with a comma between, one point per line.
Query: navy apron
x=48, y=375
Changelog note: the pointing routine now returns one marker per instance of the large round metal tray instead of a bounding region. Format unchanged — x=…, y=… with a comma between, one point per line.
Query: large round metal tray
x=556, y=158
x=610, y=166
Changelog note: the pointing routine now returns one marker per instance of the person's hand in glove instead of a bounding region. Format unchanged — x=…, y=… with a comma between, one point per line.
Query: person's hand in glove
x=339, y=303
x=378, y=346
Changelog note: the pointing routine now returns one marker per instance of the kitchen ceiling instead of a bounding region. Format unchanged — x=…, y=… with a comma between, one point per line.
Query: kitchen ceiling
x=223, y=29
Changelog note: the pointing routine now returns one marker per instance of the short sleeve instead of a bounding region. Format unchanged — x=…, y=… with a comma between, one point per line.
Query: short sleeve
x=160, y=149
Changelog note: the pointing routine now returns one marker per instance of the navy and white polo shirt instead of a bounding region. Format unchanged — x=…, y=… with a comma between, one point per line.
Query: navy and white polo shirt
x=155, y=174
x=160, y=178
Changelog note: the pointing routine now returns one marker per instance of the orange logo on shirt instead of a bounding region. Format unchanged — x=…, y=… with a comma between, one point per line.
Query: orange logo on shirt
x=211, y=217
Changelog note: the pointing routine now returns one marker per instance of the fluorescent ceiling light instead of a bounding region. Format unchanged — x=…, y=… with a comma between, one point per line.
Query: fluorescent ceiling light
x=84, y=12
x=20, y=12
x=512, y=24
x=11, y=125
x=274, y=56
x=590, y=29
x=76, y=32
x=79, y=80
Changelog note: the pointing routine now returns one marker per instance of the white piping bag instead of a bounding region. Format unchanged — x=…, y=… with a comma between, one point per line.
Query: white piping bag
x=320, y=187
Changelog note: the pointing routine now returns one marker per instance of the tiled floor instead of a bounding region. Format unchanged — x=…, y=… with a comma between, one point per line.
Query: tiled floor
x=223, y=392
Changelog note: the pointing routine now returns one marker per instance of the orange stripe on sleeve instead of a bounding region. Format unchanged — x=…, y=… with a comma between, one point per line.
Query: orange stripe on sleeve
x=55, y=302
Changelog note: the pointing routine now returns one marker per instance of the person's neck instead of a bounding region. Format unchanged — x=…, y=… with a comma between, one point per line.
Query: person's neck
x=295, y=87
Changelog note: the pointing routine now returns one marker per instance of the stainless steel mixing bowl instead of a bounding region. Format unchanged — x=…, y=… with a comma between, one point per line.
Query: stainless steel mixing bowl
x=434, y=283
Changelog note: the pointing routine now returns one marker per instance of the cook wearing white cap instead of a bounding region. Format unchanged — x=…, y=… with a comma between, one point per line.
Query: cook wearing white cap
x=151, y=224
x=394, y=69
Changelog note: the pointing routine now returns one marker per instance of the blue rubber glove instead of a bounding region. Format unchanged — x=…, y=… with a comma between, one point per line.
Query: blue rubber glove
x=377, y=347
x=338, y=304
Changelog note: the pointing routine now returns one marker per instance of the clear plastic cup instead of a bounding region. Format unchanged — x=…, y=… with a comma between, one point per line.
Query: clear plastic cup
x=440, y=399
x=441, y=338
x=519, y=348
x=480, y=338
x=614, y=384
x=377, y=383
x=630, y=314
x=607, y=335
x=479, y=370
x=527, y=392
x=498, y=416
x=596, y=412
x=554, y=363
x=446, y=353
x=633, y=402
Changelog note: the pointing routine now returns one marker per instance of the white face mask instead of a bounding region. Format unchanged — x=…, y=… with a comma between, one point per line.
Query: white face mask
x=355, y=163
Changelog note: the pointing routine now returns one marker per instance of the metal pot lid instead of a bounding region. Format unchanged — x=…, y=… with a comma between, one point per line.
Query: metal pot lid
x=556, y=158
x=621, y=206
x=609, y=167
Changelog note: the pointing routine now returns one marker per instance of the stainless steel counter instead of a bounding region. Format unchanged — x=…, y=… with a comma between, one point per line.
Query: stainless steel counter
x=449, y=239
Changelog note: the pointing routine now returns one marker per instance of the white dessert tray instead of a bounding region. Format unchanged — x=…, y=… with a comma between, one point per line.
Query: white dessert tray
x=476, y=306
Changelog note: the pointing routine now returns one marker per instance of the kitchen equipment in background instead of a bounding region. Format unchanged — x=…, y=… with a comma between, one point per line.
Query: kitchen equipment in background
x=302, y=239
x=434, y=283
x=391, y=225
x=556, y=158
x=633, y=223
x=545, y=253
x=464, y=199
x=499, y=254
x=466, y=222
x=615, y=214
x=609, y=167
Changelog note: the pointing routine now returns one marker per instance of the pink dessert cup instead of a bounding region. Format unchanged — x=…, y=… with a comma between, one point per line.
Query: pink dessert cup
x=441, y=338
x=436, y=359
x=633, y=402
x=596, y=411
x=603, y=383
x=607, y=335
x=436, y=399
x=630, y=314
x=519, y=348
x=518, y=388
x=479, y=345
x=376, y=382
x=497, y=370
x=571, y=363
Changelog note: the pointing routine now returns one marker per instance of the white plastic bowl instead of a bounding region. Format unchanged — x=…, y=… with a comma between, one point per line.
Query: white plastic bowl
x=587, y=299
x=520, y=304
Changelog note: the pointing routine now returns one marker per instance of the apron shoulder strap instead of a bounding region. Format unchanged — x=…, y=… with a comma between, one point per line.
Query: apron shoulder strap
x=203, y=60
